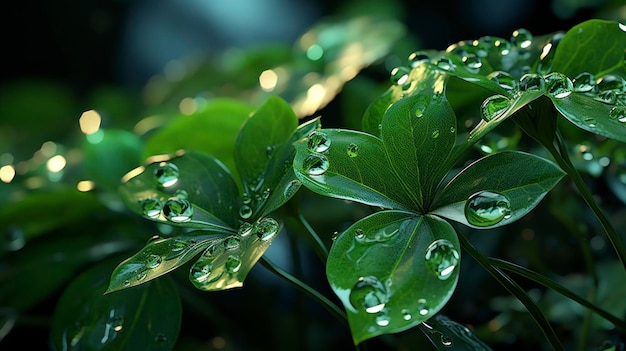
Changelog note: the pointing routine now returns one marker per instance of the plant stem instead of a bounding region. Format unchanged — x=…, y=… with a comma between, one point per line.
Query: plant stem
x=562, y=158
x=325, y=302
x=319, y=247
x=514, y=289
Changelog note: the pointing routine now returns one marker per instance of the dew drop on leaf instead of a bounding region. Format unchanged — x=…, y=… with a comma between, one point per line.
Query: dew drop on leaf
x=266, y=228
x=245, y=229
x=406, y=314
x=558, y=85
x=445, y=64
x=318, y=142
x=504, y=80
x=521, y=38
x=141, y=276
x=232, y=264
x=607, y=97
x=359, y=234
x=315, y=164
x=383, y=320
x=246, y=199
x=435, y=134
x=160, y=338
x=472, y=62
x=369, y=294
x=245, y=211
x=420, y=105
x=153, y=261
x=200, y=271
x=584, y=83
x=232, y=242
x=177, y=245
x=486, y=208
x=400, y=75
x=618, y=113
x=291, y=188
x=422, y=307
x=418, y=57
x=352, y=150
x=151, y=207
x=166, y=174
x=177, y=210
x=494, y=106
x=612, y=82
x=531, y=82
x=441, y=258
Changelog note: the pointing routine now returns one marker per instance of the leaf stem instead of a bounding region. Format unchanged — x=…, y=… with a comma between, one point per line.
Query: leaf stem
x=562, y=158
x=510, y=285
x=319, y=246
x=303, y=287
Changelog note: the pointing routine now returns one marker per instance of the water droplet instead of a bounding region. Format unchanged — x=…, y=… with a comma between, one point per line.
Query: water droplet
x=472, y=62
x=318, y=142
x=334, y=236
x=531, y=82
x=558, y=85
x=141, y=276
x=245, y=211
x=352, y=150
x=245, y=229
x=160, y=338
x=521, y=38
x=166, y=174
x=359, y=234
x=452, y=130
x=400, y=75
x=488, y=44
x=607, y=97
x=441, y=258
x=269, y=151
x=421, y=103
x=406, y=314
x=291, y=188
x=200, y=271
x=383, y=320
x=151, y=207
x=126, y=283
x=266, y=228
x=584, y=83
x=486, y=208
x=181, y=194
x=177, y=245
x=177, y=210
x=494, y=106
x=418, y=57
x=422, y=307
x=232, y=242
x=445, y=64
x=315, y=164
x=370, y=294
x=246, y=199
x=504, y=80
x=612, y=82
x=618, y=113
x=446, y=341
x=115, y=322
x=232, y=264
x=154, y=261
x=435, y=134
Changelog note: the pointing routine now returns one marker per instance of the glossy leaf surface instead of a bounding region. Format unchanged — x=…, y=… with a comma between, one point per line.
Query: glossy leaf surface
x=145, y=317
x=403, y=269
x=446, y=334
x=523, y=179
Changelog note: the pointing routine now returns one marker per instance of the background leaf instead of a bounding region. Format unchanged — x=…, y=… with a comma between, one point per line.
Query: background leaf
x=446, y=334
x=145, y=317
x=201, y=180
x=355, y=167
x=522, y=178
x=389, y=286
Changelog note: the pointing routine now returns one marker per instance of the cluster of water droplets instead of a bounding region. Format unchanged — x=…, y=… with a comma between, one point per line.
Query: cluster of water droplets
x=316, y=163
x=175, y=208
x=224, y=257
x=372, y=294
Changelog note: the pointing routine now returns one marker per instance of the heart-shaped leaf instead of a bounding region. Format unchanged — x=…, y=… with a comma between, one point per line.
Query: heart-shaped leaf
x=403, y=268
x=145, y=317
x=190, y=189
x=497, y=189
x=349, y=165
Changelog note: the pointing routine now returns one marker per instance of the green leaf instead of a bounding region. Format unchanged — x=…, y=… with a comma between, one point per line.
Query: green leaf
x=403, y=270
x=593, y=46
x=418, y=133
x=109, y=154
x=212, y=129
x=593, y=116
x=445, y=334
x=145, y=317
x=160, y=256
x=354, y=167
x=196, y=190
x=522, y=179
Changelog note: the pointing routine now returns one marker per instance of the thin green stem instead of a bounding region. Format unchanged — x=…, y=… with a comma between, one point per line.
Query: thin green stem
x=303, y=287
x=562, y=158
x=515, y=290
x=549, y=283
x=319, y=247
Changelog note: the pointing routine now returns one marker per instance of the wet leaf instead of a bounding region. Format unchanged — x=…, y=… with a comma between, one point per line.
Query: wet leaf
x=145, y=317
x=404, y=268
x=190, y=189
x=515, y=182
x=446, y=334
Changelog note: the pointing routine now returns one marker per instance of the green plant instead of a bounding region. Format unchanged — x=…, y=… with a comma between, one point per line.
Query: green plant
x=424, y=179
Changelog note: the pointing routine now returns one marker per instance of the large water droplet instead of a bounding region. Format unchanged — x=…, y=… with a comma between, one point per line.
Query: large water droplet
x=441, y=258
x=232, y=264
x=232, y=242
x=531, y=82
x=153, y=261
x=245, y=211
x=472, y=62
x=291, y=188
x=445, y=64
x=151, y=207
x=315, y=164
x=177, y=245
x=418, y=57
x=245, y=229
x=504, y=80
x=181, y=194
x=370, y=294
x=618, y=113
x=521, y=38
x=494, y=106
x=352, y=150
x=318, y=142
x=486, y=208
x=200, y=271
x=266, y=228
x=177, y=210
x=607, y=97
x=558, y=85
x=584, y=83
x=166, y=174
x=612, y=82
x=400, y=75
